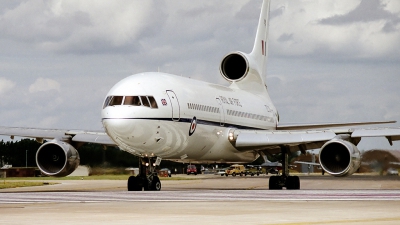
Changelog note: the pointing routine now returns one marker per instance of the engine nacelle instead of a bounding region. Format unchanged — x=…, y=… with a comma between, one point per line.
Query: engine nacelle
x=57, y=158
x=235, y=66
x=339, y=157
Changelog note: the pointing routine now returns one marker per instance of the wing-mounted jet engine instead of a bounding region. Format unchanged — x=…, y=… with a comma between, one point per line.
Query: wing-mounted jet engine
x=57, y=158
x=339, y=157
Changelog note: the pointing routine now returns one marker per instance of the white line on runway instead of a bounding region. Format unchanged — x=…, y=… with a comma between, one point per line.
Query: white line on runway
x=203, y=195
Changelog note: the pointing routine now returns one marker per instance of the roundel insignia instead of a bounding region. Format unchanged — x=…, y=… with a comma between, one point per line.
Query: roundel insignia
x=193, y=126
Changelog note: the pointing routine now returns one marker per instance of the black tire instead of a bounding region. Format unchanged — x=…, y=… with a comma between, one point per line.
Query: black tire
x=274, y=183
x=134, y=184
x=226, y=174
x=293, y=183
x=234, y=174
x=155, y=184
x=222, y=175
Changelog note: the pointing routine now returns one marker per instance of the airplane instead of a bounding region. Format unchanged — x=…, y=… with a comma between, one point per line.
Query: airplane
x=158, y=116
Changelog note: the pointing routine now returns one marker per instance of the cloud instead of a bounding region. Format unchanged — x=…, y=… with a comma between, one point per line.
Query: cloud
x=43, y=85
x=335, y=30
x=6, y=85
x=366, y=11
x=85, y=27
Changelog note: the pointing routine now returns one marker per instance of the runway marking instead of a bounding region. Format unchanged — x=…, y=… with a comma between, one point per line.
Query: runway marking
x=203, y=195
x=369, y=220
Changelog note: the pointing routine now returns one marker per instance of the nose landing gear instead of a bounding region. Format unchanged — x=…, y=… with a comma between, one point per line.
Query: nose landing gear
x=147, y=179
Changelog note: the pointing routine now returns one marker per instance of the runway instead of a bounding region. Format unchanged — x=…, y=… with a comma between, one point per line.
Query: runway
x=208, y=200
x=199, y=196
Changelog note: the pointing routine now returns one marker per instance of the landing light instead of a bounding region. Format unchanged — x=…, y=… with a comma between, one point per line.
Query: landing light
x=230, y=135
x=147, y=164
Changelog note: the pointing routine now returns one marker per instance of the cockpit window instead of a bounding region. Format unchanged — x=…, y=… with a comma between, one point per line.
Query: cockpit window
x=116, y=100
x=153, y=102
x=145, y=101
x=107, y=101
x=132, y=100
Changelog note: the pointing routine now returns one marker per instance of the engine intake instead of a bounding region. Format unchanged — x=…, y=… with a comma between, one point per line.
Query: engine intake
x=339, y=158
x=234, y=66
x=57, y=158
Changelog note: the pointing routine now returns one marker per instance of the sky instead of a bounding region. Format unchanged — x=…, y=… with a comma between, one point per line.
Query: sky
x=329, y=60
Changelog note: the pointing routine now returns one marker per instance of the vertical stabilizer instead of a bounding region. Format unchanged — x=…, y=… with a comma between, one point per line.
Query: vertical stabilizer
x=260, y=48
x=247, y=71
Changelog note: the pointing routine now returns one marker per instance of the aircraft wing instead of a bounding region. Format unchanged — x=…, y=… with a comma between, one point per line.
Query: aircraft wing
x=303, y=126
x=250, y=138
x=39, y=134
x=304, y=139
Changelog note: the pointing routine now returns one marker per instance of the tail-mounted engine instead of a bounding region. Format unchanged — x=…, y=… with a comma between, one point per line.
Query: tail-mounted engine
x=241, y=69
x=339, y=157
x=234, y=66
x=57, y=158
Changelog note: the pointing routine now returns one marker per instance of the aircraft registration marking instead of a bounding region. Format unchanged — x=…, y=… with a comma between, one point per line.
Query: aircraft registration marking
x=230, y=101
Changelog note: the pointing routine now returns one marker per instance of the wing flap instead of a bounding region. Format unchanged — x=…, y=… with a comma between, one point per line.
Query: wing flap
x=377, y=132
x=392, y=134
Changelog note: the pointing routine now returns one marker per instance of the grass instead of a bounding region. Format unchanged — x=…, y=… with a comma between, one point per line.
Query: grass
x=16, y=184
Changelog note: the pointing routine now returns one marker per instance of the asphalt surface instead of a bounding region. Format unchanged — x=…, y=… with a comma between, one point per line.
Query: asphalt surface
x=208, y=199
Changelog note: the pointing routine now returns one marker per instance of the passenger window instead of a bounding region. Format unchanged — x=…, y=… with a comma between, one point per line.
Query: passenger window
x=116, y=100
x=132, y=100
x=145, y=101
x=153, y=102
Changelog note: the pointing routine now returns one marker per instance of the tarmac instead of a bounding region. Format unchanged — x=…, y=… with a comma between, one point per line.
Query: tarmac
x=207, y=199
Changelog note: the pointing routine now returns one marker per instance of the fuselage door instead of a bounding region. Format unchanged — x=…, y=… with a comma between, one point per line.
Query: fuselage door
x=221, y=113
x=174, y=105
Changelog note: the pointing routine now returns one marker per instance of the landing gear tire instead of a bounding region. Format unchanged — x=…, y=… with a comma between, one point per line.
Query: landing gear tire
x=274, y=183
x=134, y=184
x=155, y=184
x=293, y=182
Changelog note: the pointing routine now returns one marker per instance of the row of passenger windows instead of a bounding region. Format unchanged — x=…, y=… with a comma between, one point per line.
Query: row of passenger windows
x=203, y=108
x=147, y=101
x=247, y=115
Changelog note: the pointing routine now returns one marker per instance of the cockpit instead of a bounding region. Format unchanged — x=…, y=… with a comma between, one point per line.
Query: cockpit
x=146, y=101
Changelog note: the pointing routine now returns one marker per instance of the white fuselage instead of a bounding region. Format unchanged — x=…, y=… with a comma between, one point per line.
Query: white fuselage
x=191, y=121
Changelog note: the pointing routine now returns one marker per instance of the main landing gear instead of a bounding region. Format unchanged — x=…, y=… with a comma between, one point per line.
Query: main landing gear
x=147, y=178
x=290, y=182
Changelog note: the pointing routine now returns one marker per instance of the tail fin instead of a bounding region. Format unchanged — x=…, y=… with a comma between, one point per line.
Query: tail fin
x=247, y=71
x=260, y=48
